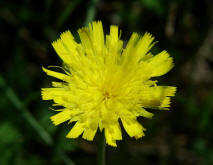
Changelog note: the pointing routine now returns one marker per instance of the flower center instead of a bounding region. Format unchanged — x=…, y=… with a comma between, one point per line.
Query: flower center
x=106, y=95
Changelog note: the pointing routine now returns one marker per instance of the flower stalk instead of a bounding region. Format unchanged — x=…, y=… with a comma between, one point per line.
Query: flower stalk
x=101, y=150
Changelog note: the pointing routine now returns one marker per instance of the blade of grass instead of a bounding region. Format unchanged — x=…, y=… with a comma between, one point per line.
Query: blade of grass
x=31, y=120
x=27, y=115
x=91, y=12
x=67, y=12
x=206, y=113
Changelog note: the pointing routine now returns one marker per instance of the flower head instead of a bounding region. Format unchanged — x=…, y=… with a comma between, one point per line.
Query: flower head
x=103, y=82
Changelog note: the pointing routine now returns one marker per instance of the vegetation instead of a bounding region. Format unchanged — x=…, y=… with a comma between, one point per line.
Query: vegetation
x=182, y=135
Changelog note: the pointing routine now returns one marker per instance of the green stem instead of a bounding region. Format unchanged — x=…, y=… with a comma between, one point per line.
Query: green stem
x=67, y=12
x=45, y=136
x=91, y=12
x=101, y=150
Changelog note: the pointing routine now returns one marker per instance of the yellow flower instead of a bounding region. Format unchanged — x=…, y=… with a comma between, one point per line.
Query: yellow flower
x=103, y=82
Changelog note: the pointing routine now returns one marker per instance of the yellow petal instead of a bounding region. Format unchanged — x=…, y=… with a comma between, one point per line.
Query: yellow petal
x=133, y=128
x=58, y=84
x=97, y=34
x=86, y=40
x=68, y=42
x=143, y=46
x=160, y=64
x=65, y=47
x=109, y=138
x=61, y=117
x=165, y=103
x=142, y=112
x=157, y=97
x=128, y=53
x=76, y=131
x=57, y=75
x=114, y=46
x=89, y=134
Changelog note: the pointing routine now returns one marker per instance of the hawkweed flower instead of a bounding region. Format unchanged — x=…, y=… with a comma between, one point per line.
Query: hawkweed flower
x=103, y=83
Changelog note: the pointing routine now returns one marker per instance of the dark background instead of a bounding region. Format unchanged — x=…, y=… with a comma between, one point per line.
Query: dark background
x=182, y=136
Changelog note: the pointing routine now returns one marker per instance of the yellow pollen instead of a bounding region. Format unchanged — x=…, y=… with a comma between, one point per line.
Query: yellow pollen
x=106, y=95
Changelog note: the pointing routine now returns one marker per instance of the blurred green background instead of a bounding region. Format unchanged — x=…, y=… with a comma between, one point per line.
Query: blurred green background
x=183, y=135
